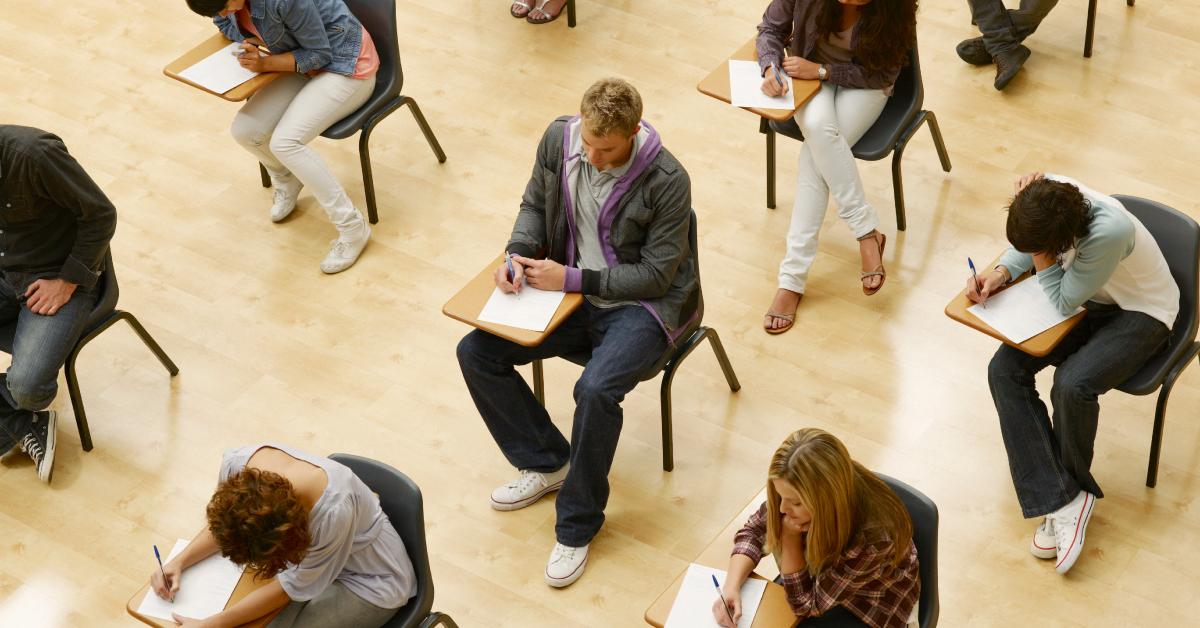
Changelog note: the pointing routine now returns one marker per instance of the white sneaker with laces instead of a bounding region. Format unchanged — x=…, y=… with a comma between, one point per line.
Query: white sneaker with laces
x=1070, y=525
x=1044, y=544
x=566, y=565
x=285, y=191
x=343, y=253
x=527, y=489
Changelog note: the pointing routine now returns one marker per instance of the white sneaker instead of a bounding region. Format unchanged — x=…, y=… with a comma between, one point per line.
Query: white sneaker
x=1070, y=524
x=566, y=565
x=1044, y=544
x=527, y=489
x=285, y=192
x=343, y=253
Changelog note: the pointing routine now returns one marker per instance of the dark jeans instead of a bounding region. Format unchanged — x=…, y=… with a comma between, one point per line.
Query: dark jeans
x=1051, y=461
x=625, y=341
x=40, y=347
x=1004, y=29
x=836, y=617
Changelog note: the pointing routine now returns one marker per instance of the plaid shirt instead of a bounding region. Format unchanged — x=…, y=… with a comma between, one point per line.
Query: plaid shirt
x=863, y=579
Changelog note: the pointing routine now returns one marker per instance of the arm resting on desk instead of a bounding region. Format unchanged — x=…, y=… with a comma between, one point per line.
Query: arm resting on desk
x=262, y=601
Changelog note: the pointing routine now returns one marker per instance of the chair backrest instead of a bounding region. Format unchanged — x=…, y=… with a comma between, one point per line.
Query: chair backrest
x=401, y=501
x=379, y=18
x=1178, y=236
x=908, y=96
x=924, y=514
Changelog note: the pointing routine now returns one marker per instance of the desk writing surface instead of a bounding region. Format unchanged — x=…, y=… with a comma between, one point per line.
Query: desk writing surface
x=716, y=84
x=1037, y=346
x=773, y=612
x=245, y=586
x=206, y=48
x=468, y=302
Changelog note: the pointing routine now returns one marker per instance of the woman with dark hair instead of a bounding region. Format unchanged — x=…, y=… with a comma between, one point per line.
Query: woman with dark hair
x=310, y=525
x=856, y=48
x=329, y=61
x=1087, y=250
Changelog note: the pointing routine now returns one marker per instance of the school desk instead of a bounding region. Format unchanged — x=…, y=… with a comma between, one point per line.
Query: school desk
x=716, y=84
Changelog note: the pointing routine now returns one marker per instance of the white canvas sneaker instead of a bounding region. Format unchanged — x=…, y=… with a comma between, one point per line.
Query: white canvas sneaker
x=1070, y=525
x=1044, y=544
x=527, y=489
x=566, y=565
x=285, y=194
x=343, y=253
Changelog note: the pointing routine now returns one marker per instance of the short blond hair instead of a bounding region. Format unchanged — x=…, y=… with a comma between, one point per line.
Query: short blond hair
x=611, y=105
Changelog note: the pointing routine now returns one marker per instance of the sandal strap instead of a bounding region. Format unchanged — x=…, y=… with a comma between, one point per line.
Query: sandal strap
x=786, y=317
x=874, y=273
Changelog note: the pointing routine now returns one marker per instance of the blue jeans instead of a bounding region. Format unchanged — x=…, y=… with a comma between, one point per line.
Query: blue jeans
x=1051, y=461
x=624, y=342
x=40, y=348
x=1004, y=29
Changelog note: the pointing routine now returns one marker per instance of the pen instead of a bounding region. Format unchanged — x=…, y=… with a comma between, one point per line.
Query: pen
x=778, y=78
x=160, y=567
x=722, y=598
x=975, y=277
x=512, y=274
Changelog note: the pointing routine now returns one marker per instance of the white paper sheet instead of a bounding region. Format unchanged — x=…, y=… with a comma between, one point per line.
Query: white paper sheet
x=531, y=309
x=204, y=588
x=745, y=87
x=1021, y=311
x=219, y=71
x=694, y=605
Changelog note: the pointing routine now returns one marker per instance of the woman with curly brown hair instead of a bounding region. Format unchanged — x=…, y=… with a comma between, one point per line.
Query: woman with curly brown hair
x=310, y=525
x=856, y=49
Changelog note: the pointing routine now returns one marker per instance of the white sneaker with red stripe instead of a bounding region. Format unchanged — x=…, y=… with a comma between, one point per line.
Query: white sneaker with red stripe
x=566, y=565
x=1070, y=525
x=1044, y=544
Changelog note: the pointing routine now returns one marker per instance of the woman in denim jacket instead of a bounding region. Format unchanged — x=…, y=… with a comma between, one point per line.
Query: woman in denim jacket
x=330, y=63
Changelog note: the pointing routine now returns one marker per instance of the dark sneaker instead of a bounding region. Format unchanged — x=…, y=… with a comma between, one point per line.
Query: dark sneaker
x=973, y=51
x=39, y=442
x=1008, y=64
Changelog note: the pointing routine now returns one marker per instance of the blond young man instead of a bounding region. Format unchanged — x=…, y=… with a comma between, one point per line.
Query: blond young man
x=606, y=214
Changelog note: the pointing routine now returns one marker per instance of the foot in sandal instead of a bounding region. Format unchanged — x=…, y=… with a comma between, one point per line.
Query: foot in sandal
x=870, y=247
x=521, y=8
x=546, y=11
x=782, y=314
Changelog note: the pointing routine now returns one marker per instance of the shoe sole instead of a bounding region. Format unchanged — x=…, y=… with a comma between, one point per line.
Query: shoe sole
x=1066, y=562
x=519, y=504
x=559, y=583
x=46, y=470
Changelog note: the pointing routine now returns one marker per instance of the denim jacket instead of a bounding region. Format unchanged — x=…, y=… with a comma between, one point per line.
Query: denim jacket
x=322, y=34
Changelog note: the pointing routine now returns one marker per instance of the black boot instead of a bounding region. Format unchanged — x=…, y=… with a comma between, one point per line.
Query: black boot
x=1008, y=64
x=972, y=51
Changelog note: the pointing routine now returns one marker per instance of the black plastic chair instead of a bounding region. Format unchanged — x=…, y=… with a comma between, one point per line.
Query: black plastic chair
x=924, y=515
x=692, y=336
x=1091, y=26
x=379, y=18
x=1178, y=237
x=401, y=501
x=103, y=316
x=902, y=116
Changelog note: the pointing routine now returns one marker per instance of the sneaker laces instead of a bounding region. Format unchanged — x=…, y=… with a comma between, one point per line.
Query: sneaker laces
x=562, y=552
x=33, y=447
x=527, y=481
x=1048, y=528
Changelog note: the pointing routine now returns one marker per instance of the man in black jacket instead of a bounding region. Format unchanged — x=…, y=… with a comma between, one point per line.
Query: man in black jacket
x=55, y=225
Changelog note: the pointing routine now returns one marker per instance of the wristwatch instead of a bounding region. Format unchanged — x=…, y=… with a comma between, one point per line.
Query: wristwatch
x=822, y=73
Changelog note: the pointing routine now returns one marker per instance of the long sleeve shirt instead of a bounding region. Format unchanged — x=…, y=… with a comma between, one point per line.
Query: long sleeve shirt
x=1117, y=262
x=863, y=578
x=55, y=222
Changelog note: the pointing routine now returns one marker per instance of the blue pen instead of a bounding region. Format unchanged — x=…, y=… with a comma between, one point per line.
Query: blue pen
x=160, y=567
x=722, y=598
x=512, y=274
x=975, y=277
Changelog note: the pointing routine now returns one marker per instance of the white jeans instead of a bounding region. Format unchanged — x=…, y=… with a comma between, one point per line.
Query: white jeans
x=280, y=120
x=832, y=122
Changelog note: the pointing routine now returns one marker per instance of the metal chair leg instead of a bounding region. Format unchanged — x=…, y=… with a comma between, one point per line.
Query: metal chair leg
x=149, y=341
x=85, y=434
x=723, y=360
x=770, y=163
x=1091, y=28
x=364, y=156
x=429, y=137
x=262, y=172
x=664, y=400
x=435, y=619
x=571, y=13
x=539, y=385
x=898, y=184
x=938, y=142
x=1160, y=414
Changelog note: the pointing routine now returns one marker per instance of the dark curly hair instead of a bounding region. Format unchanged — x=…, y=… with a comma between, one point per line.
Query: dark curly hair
x=259, y=522
x=1047, y=217
x=207, y=8
x=888, y=30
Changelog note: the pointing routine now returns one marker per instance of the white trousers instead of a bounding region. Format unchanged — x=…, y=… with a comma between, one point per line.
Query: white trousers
x=279, y=121
x=832, y=122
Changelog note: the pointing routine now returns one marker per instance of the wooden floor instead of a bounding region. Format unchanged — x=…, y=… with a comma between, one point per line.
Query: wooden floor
x=363, y=362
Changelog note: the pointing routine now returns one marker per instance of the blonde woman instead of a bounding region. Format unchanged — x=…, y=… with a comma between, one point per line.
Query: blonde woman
x=841, y=537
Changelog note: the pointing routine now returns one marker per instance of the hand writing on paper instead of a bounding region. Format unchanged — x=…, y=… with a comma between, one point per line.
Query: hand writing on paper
x=986, y=286
x=47, y=296
x=251, y=58
x=771, y=82
x=801, y=68
x=506, y=284
x=543, y=274
x=166, y=588
x=731, y=600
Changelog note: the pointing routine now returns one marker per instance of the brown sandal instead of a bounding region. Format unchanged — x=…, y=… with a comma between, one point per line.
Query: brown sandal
x=879, y=271
x=790, y=318
x=547, y=17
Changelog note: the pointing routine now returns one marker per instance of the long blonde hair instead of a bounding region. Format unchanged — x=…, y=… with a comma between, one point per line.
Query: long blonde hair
x=844, y=497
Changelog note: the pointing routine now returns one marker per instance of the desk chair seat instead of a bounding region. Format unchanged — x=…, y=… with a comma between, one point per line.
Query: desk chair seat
x=901, y=117
x=401, y=501
x=1178, y=236
x=379, y=18
x=104, y=315
x=924, y=515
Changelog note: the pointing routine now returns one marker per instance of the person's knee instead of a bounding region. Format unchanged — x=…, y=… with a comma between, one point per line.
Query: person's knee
x=1071, y=388
x=594, y=389
x=246, y=131
x=1004, y=365
x=818, y=126
x=30, y=393
x=468, y=349
x=282, y=145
